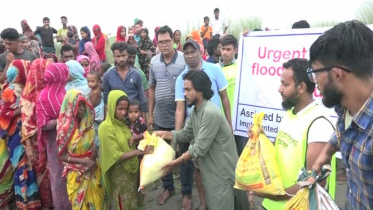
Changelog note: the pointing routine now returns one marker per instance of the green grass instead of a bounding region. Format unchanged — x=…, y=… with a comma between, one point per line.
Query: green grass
x=238, y=25
x=189, y=28
x=365, y=12
x=109, y=53
x=321, y=24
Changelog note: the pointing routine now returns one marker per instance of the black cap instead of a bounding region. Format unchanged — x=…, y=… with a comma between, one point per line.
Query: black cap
x=193, y=43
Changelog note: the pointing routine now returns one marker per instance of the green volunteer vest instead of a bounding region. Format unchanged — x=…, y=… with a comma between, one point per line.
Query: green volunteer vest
x=230, y=75
x=291, y=148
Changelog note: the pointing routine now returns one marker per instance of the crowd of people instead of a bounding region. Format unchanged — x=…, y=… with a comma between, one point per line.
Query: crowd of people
x=70, y=126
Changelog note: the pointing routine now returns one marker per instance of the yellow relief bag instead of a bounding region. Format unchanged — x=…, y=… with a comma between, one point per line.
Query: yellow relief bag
x=257, y=168
x=151, y=164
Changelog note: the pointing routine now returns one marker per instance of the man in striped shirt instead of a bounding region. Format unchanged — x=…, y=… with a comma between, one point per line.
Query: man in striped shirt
x=164, y=69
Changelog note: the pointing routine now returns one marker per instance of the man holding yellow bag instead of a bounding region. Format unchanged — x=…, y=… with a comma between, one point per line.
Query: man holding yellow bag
x=303, y=133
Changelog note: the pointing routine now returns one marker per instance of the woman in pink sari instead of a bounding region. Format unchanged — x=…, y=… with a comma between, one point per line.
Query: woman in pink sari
x=94, y=60
x=48, y=107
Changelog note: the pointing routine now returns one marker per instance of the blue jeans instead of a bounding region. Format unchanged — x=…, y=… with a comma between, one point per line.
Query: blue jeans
x=186, y=170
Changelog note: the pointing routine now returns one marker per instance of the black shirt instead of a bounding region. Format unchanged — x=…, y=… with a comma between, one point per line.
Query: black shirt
x=26, y=55
x=46, y=36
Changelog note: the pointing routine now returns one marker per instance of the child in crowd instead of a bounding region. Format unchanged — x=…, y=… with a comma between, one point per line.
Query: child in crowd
x=96, y=99
x=71, y=40
x=206, y=33
x=145, y=51
x=103, y=68
x=136, y=124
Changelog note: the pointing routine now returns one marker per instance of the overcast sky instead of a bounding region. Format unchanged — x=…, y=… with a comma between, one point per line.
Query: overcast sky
x=109, y=14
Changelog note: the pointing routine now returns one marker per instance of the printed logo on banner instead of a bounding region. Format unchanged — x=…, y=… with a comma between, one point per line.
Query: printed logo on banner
x=260, y=60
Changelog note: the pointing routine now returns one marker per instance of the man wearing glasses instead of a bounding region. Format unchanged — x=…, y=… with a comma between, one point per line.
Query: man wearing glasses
x=342, y=62
x=164, y=69
x=303, y=132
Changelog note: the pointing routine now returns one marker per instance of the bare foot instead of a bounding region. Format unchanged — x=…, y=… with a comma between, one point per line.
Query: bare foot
x=187, y=202
x=162, y=198
x=202, y=207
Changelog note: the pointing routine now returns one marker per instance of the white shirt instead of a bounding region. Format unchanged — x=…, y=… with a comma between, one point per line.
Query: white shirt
x=321, y=129
x=217, y=25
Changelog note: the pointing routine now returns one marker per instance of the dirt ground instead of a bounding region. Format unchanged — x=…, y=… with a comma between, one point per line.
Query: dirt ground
x=174, y=202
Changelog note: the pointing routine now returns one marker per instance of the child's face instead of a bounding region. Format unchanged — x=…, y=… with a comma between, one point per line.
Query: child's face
x=83, y=34
x=101, y=70
x=93, y=81
x=133, y=113
x=207, y=22
x=177, y=36
x=143, y=34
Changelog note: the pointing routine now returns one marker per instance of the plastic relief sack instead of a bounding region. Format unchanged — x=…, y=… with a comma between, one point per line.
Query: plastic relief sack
x=257, y=168
x=151, y=164
x=312, y=196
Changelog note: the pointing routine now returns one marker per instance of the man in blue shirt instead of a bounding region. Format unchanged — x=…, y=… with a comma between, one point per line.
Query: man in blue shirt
x=125, y=78
x=342, y=68
x=193, y=59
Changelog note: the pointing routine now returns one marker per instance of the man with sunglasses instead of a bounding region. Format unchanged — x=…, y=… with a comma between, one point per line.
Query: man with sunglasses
x=342, y=59
x=304, y=130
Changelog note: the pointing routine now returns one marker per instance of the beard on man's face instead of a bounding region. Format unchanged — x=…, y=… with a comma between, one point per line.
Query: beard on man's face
x=331, y=95
x=121, y=64
x=290, y=101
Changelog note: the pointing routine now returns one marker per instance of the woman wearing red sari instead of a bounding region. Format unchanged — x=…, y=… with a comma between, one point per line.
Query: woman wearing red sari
x=34, y=85
x=48, y=108
x=99, y=41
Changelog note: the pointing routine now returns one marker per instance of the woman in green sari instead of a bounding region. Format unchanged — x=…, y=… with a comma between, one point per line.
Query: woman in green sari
x=119, y=161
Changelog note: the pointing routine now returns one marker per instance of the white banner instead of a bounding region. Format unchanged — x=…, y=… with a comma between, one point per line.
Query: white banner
x=260, y=60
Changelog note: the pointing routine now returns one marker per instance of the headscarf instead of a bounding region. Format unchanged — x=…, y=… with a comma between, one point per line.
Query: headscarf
x=178, y=46
x=80, y=83
x=114, y=135
x=94, y=59
x=68, y=123
x=16, y=79
x=34, y=85
x=98, y=33
x=28, y=28
x=135, y=21
x=82, y=42
x=119, y=37
x=35, y=48
x=197, y=37
x=134, y=44
x=155, y=41
x=51, y=97
x=146, y=31
x=86, y=69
